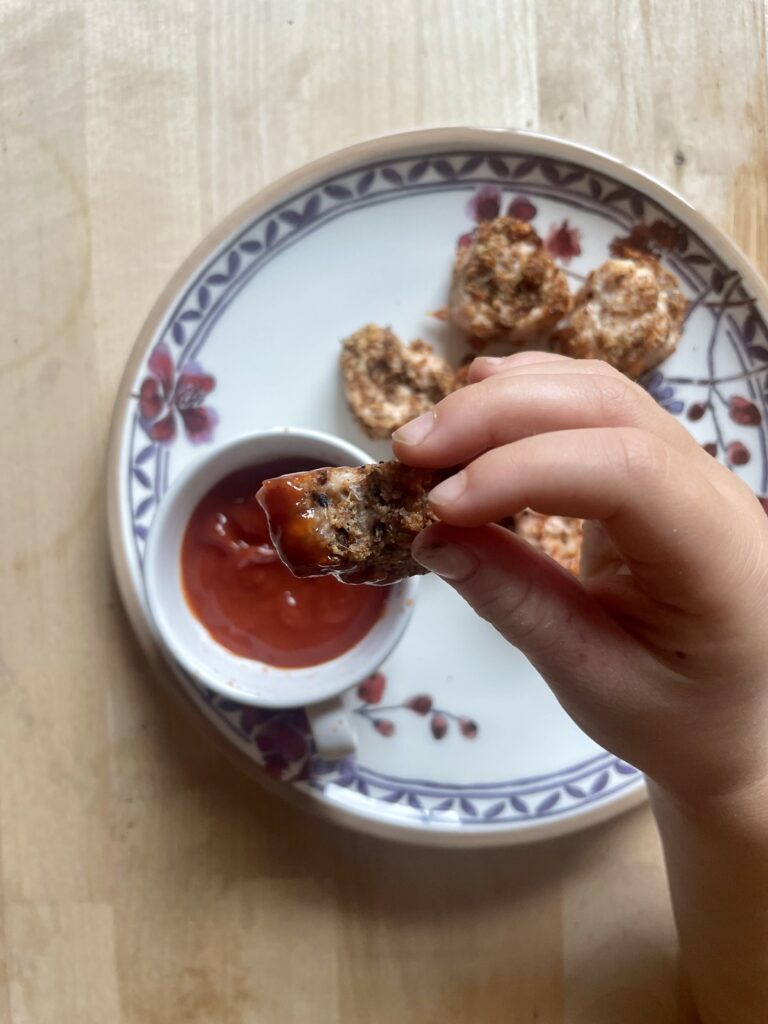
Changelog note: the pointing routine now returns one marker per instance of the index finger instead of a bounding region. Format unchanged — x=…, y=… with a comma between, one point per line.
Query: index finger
x=486, y=366
x=669, y=521
x=538, y=398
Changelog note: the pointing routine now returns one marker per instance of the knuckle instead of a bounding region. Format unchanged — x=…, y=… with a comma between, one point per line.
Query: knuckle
x=601, y=368
x=617, y=400
x=641, y=455
x=501, y=603
x=518, y=610
x=497, y=405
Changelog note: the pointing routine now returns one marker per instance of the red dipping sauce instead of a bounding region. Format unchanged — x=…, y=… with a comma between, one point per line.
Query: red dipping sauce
x=249, y=602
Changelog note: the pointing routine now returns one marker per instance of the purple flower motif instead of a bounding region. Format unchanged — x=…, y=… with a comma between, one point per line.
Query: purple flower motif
x=563, y=242
x=160, y=401
x=485, y=203
x=192, y=388
x=664, y=393
x=279, y=739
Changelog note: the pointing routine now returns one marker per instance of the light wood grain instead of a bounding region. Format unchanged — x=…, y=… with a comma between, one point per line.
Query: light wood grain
x=143, y=880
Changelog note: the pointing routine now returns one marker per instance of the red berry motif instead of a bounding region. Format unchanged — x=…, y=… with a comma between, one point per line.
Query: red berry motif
x=738, y=454
x=439, y=725
x=743, y=412
x=371, y=690
x=421, y=704
x=697, y=410
x=468, y=727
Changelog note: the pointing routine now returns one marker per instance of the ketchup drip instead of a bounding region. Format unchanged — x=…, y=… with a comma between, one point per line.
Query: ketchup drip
x=249, y=602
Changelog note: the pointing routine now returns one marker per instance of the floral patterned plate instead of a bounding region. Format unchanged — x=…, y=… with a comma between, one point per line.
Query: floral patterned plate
x=460, y=742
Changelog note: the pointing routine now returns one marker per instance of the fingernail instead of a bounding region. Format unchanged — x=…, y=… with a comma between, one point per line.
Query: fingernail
x=415, y=431
x=449, y=561
x=448, y=490
x=491, y=360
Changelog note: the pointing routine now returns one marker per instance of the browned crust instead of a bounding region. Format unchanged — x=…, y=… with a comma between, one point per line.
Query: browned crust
x=356, y=523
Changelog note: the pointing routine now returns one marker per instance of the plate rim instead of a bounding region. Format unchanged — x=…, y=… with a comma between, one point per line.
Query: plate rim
x=395, y=144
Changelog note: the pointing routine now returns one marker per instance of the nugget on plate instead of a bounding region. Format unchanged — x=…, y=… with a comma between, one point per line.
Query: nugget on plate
x=559, y=537
x=630, y=313
x=355, y=523
x=461, y=375
x=388, y=383
x=505, y=285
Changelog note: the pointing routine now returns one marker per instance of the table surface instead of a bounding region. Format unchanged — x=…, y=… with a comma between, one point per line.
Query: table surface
x=143, y=879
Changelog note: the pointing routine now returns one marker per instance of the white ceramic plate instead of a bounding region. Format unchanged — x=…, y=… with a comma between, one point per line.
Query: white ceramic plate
x=460, y=742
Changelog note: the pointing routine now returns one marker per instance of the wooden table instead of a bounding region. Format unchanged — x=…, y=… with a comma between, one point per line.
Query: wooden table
x=143, y=879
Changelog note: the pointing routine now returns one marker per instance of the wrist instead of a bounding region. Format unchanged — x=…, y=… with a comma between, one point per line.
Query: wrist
x=742, y=807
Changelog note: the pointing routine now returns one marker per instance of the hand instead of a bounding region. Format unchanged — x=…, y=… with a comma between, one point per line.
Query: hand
x=660, y=651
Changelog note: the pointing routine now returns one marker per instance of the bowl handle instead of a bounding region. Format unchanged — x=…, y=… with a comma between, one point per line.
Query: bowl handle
x=332, y=729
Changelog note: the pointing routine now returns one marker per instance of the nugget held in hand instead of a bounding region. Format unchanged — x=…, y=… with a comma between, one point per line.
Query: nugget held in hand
x=356, y=523
x=630, y=313
x=388, y=383
x=505, y=285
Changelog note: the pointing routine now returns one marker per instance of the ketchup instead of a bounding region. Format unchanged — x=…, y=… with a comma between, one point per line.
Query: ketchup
x=238, y=588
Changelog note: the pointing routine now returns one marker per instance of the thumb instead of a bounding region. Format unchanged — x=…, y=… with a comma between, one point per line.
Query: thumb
x=535, y=604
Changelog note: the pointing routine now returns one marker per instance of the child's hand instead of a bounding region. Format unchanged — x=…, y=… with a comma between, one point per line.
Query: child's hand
x=661, y=651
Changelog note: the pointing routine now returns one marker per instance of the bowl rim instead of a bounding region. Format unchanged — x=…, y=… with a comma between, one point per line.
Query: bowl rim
x=276, y=687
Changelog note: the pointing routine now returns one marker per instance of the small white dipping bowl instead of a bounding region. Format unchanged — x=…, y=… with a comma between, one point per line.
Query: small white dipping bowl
x=185, y=639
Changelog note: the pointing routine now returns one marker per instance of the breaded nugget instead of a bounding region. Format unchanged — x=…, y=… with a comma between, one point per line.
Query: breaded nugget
x=630, y=313
x=557, y=536
x=388, y=383
x=505, y=285
x=356, y=523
